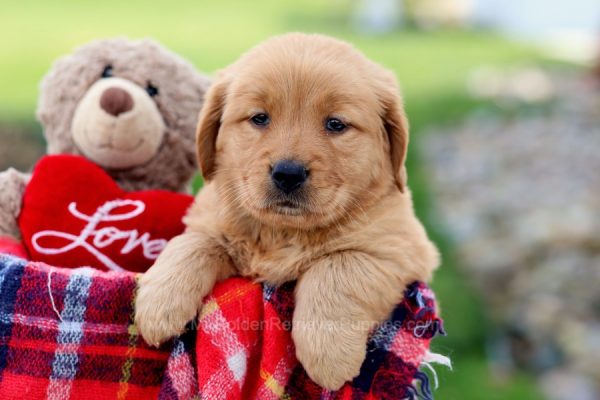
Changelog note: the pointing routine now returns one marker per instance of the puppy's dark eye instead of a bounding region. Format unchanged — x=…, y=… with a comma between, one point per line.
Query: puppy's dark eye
x=335, y=125
x=260, y=119
x=107, y=72
x=151, y=90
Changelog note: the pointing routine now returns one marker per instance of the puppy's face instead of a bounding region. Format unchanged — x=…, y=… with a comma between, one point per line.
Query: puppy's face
x=302, y=131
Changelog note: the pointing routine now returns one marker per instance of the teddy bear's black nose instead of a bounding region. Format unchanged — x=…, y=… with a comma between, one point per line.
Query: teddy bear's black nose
x=288, y=175
x=116, y=101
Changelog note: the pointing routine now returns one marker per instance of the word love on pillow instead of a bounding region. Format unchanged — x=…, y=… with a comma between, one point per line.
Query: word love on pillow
x=75, y=215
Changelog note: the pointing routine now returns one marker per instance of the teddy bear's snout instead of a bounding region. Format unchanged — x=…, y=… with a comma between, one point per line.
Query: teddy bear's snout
x=116, y=101
x=117, y=124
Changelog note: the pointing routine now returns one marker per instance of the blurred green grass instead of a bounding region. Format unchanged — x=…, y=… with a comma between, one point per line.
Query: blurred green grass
x=431, y=67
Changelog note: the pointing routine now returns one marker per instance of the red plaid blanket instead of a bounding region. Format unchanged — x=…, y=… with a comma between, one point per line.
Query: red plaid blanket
x=68, y=334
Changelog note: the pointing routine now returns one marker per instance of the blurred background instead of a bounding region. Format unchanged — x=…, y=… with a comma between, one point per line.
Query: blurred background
x=504, y=104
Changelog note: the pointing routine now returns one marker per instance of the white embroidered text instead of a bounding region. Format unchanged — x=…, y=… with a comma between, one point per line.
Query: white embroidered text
x=93, y=239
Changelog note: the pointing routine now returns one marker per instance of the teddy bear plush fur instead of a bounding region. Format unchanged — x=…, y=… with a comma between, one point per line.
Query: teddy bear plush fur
x=12, y=186
x=129, y=106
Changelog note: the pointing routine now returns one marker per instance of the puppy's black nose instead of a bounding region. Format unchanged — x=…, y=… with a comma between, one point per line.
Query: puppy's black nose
x=288, y=175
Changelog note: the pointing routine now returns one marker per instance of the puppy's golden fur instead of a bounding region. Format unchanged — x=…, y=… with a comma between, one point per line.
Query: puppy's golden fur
x=351, y=240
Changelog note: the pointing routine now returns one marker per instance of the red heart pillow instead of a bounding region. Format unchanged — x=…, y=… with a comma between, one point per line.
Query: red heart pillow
x=75, y=215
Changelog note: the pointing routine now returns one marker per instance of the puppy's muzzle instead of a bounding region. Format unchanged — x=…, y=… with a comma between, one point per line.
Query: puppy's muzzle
x=288, y=175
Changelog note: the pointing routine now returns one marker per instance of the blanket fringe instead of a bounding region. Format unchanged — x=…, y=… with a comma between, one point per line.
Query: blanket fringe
x=49, y=285
x=421, y=388
x=436, y=358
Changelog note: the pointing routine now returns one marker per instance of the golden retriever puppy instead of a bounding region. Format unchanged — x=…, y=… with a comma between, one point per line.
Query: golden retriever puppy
x=302, y=144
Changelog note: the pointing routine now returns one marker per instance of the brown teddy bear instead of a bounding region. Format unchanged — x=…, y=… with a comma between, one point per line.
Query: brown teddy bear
x=130, y=107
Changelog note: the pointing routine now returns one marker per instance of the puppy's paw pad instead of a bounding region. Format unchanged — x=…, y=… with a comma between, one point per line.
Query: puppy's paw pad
x=330, y=360
x=330, y=371
x=159, y=317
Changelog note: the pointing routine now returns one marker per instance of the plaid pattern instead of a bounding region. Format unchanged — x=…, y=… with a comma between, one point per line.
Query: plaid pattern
x=68, y=334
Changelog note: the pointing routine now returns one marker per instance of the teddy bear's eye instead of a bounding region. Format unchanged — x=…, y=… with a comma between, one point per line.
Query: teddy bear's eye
x=151, y=89
x=108, y=71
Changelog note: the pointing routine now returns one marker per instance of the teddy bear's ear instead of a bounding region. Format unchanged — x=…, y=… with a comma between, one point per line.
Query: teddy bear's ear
x=209, y=124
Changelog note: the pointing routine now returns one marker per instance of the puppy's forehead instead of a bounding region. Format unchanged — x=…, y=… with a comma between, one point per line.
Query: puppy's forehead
x=302, y=69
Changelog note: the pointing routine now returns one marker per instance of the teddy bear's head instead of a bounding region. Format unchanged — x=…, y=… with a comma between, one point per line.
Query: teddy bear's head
x=129, y=106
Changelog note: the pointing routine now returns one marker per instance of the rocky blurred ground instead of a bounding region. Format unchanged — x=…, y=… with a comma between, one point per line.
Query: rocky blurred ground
x=520, y=195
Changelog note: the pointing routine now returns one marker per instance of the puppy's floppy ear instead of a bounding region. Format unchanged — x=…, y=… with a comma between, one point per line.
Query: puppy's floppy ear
x=396, y=127
x=209, y=124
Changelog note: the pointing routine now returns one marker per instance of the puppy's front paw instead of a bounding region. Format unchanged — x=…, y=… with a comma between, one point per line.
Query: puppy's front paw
x=162, y=310
x=331, y=352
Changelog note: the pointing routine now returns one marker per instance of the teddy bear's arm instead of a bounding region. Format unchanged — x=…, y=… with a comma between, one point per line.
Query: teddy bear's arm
x=12, y=187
